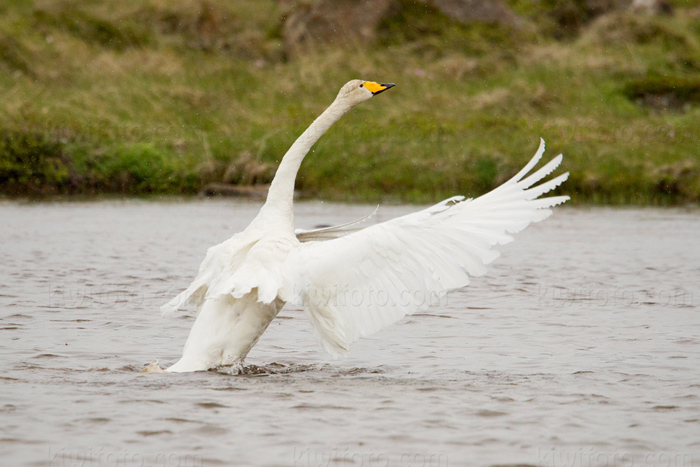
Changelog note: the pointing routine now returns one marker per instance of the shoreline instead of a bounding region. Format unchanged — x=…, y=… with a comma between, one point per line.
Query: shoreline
x=386, y=201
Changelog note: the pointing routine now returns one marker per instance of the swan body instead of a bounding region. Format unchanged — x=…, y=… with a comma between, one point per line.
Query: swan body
x=351, y=282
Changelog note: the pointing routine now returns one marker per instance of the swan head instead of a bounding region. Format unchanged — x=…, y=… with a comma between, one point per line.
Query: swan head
x=356, y=91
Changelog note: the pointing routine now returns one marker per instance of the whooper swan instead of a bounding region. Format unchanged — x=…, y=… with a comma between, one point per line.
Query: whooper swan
x=244, y=282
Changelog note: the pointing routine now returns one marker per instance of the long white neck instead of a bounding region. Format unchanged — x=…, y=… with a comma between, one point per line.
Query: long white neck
x=278, y=209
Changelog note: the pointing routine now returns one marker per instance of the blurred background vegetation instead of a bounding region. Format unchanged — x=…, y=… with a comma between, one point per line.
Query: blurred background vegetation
x=157, y=96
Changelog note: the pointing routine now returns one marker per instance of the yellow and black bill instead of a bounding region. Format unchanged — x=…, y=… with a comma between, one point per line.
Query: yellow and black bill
x=376, y=88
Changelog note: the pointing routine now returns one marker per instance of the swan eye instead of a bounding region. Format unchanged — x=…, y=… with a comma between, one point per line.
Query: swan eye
x=362, y=84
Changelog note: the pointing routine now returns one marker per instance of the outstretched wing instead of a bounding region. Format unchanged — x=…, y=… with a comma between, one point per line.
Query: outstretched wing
x=355, y=285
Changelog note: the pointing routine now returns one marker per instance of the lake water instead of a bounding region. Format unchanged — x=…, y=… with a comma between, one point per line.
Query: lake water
x=580, y=348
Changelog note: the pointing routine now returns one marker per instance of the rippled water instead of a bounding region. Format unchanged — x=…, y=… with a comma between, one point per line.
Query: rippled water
x=581, y=347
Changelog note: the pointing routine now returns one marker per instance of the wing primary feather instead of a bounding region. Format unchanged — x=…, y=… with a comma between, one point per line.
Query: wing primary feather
x=533, y=162
x=327, y=233
x=546, y=187
x=541, y=173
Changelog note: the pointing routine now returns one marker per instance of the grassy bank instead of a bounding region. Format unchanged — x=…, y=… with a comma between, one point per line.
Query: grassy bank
x=143, y=97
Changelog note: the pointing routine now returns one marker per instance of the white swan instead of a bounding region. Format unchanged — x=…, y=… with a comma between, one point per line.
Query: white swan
x=359, y=281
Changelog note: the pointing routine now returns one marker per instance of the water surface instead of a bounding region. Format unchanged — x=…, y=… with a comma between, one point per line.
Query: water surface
x=580, y=347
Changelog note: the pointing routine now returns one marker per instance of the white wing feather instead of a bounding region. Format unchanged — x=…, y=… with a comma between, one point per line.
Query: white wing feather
x=355, y=285
x=335, y=231
x=219, y=259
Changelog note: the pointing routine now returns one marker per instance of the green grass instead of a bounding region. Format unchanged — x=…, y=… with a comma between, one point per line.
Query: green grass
x=159, y=97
